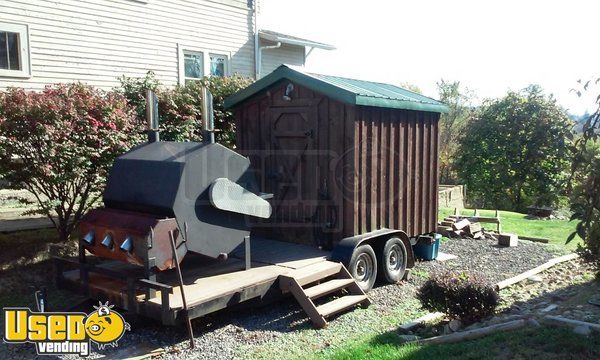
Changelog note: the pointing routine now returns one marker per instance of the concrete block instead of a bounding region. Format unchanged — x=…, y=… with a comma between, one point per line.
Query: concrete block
x=506, y=239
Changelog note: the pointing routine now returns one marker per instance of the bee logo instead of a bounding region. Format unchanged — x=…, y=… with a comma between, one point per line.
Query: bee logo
x=105, y=326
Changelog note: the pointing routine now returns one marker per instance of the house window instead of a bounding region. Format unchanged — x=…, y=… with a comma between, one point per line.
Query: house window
x=218, y=65
x=193, y=65
x=14, y=50
x=9, y=51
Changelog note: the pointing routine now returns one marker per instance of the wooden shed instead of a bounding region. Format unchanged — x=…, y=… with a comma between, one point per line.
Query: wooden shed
x=342, y=157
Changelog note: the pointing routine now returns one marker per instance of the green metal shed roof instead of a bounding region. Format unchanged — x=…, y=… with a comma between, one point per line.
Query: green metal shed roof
x=351, y=91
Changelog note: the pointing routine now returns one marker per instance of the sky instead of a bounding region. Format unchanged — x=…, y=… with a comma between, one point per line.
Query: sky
x=490, y=46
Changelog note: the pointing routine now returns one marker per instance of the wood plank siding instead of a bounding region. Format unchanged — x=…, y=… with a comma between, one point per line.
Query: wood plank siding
x=397, y=170
x=363, y=168
x=96, y=41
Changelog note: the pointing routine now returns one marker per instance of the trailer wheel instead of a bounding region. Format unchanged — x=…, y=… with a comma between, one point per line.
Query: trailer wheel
x=363, y=267
x=392, y=264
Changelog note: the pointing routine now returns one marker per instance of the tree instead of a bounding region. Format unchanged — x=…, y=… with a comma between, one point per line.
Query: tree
x=180, y=108
x=585, y=181
x=516, y=151
x=452, y=125
x=59, y=144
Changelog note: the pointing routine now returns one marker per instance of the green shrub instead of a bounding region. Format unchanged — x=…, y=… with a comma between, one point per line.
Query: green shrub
x=180, y=108
x=585, y=194
x=585, y=182
x=221, y=88
x=180, y=114
x=60, y=143
x=460, y=295
x=134, y=90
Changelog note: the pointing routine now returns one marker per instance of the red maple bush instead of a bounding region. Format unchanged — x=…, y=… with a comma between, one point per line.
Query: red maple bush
x=60, y=143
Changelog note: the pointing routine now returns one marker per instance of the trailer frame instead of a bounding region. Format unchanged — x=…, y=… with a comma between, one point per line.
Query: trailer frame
x=129, y=288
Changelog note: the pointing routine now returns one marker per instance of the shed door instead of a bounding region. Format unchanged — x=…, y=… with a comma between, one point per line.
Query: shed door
x=293, y=165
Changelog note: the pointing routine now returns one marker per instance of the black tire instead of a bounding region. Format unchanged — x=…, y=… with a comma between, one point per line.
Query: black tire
x=392, y=261
x=363, y=267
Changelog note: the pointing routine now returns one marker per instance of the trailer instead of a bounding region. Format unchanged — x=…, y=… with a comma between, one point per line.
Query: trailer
x=277, y=268
x=186, y=229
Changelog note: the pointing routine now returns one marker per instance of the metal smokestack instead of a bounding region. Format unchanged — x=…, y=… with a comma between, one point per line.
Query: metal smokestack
x=152, y=116
x=208, y=134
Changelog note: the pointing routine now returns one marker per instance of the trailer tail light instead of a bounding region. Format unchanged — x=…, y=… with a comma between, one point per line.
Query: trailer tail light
x=89, y=237
x=107, y=241
x=127, y=245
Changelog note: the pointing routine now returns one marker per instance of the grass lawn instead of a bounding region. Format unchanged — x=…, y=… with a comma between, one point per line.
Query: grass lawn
x=557, y=231
x=528, y=343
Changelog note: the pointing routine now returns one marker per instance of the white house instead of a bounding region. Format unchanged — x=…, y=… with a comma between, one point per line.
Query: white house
x=96, y=41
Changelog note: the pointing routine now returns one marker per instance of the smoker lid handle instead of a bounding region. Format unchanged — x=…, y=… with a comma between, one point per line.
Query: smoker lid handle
x=226, y=195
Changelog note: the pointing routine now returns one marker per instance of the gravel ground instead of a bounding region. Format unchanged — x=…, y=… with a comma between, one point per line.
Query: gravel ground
x=282, y=329
x=486, y=257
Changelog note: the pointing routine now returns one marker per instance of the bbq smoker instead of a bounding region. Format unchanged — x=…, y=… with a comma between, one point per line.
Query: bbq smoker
x=201, y=194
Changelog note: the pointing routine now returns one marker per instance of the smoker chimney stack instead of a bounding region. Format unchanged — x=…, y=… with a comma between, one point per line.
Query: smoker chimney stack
x=208, y=135
x=152, y=116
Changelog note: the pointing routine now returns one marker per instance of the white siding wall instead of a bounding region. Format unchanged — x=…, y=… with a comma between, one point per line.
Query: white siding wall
x=286, y=54
x=95, y=41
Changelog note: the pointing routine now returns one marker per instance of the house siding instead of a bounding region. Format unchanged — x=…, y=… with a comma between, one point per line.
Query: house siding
x=96, y=41
x=286, y=54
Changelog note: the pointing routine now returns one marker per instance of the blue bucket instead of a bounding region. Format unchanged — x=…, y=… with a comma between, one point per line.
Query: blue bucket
x=427, y=247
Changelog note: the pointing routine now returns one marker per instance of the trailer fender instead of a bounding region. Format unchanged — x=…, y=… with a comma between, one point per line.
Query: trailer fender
x=342, y=252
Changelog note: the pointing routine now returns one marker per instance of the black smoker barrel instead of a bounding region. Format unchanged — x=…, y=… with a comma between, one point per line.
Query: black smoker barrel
x=201, y=191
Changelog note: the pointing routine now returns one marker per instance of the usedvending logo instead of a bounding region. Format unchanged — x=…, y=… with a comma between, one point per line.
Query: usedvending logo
x=56, y=333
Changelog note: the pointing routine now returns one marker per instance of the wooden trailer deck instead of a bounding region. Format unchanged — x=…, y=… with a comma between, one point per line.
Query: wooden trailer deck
x=209, y=285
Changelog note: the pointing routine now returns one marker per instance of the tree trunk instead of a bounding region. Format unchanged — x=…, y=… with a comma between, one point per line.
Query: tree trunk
x=63, y=229
x=517, y=198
